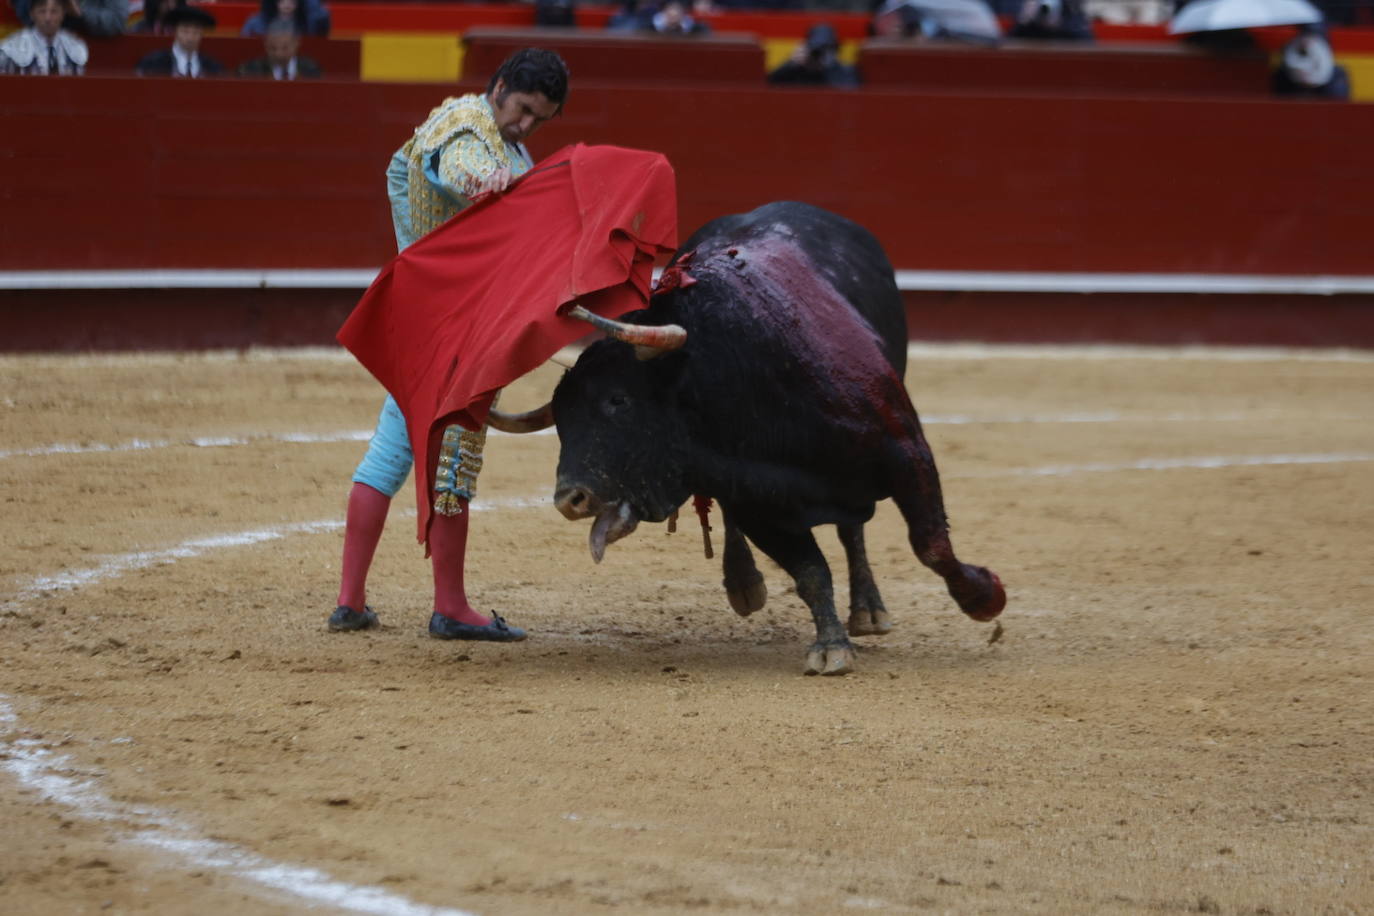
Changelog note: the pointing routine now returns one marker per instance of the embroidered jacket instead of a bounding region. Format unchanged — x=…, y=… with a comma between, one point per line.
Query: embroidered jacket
x=434, y=175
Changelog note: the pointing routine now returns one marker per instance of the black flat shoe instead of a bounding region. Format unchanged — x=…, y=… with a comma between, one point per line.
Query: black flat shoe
x=345, y=618
x=441, y=627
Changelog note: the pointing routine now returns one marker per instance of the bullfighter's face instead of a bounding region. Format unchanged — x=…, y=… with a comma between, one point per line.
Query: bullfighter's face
x=519, y=114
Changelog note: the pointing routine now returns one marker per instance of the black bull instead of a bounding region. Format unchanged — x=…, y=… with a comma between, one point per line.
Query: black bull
x=786, y=405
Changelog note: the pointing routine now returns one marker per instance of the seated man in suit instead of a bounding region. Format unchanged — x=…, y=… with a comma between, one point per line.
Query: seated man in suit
x=183, y=58
x=280, y=61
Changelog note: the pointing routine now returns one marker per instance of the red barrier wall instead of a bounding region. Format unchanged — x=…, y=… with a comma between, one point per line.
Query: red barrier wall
x=1026, y=67
x=235, y=318
x=127, y=172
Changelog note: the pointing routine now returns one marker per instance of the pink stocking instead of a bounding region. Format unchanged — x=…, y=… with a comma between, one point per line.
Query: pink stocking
x=448, y=542
x=367, y=510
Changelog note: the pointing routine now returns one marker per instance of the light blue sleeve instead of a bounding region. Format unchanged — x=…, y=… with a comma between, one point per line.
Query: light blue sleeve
x=398, y=191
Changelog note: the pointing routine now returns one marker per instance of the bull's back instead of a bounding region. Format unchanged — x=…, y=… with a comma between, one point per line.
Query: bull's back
x=847, y=255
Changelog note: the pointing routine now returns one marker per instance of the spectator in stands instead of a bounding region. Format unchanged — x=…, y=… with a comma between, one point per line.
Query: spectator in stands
x=92, y=18
x=964, y=20
x=45, y=48
x=1055, y=20
x=280, y=60
x=555, y=13
x=468, y=147
x=672, y=18
x=1308, y=69
x=632, y=16
x=309, y=17
x=816, y=62
x=155, y=13
x=183, y=58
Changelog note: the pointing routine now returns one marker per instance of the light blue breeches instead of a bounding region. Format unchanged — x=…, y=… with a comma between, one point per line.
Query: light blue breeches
x=387, y=463
x=389, y=458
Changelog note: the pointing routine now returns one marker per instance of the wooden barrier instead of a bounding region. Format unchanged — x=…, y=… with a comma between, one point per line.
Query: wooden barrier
x=1061, y=67
x=337, y=57
x=614, y=56
x=139, y=173
x=176, y=319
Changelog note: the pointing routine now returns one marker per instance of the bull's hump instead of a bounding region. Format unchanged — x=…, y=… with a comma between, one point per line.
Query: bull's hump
x=772, y=278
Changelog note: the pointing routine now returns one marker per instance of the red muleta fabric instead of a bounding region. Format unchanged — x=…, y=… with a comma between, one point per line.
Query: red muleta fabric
x=478, y=302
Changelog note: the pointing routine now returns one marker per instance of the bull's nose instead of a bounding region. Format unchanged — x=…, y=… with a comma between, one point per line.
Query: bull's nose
x=575, y=502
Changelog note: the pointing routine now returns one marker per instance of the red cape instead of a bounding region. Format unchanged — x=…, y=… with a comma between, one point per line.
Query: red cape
x=477, y=303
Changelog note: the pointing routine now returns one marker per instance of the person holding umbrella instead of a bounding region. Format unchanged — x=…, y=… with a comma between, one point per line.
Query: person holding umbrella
x=469, y=147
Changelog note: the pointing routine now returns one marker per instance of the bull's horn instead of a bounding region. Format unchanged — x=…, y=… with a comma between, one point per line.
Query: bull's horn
x=531, y=421
x=649, y=340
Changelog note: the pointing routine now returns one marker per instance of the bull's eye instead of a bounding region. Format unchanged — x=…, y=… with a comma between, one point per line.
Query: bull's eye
x=615, y=403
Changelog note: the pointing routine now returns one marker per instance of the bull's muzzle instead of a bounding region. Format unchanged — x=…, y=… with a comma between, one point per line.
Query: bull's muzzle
x=575, y=502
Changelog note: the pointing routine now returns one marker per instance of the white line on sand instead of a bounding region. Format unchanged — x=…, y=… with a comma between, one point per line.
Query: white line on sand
x=51, y=776
x=141, y=445
x=363, y=435
x=970, y=350
x=1175, y=464
x=37, y=768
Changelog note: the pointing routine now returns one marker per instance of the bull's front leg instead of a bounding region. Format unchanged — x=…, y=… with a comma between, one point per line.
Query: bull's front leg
x=868, y=615
x=801, y=558
x=743, y=582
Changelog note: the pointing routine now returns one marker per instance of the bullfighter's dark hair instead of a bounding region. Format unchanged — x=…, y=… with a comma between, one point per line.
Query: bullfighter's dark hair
x=534, y=70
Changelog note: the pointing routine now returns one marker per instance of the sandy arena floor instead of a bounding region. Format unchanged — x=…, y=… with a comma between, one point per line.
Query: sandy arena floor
x=1178, y=718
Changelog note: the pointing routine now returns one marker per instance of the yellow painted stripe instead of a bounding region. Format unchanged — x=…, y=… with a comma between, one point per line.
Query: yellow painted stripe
x=777, y=50
x=390, y=57
x=1361, y=70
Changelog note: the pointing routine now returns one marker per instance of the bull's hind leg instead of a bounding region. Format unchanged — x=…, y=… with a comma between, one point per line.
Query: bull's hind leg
x=743, y=582
x=798, y=554
x=976, y=589
x=867, y=614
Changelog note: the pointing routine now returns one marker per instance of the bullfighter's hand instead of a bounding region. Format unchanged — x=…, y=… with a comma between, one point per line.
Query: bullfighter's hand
x=494, y=183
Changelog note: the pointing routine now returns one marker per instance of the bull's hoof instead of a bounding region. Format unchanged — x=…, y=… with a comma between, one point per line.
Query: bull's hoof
x=867, y=622
x=830, y=659
x=982, y=597
x=752, y=597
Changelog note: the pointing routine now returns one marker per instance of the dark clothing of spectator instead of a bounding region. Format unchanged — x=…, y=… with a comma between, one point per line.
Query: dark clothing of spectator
x=300, y=68
x=1052, y=20
x=164, y=63
x=631, y=17
x=816, y=63
x=310, y=17
x=1338, y=87
x=830, y=73
x=555, y=13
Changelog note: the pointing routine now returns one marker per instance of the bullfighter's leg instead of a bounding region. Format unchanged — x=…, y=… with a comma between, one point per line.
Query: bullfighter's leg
x=976, y=589
x=378, y=477
x=867, y=613
x=460, y=461
x=801, y=558
x=744, y=584
x=363, y=525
